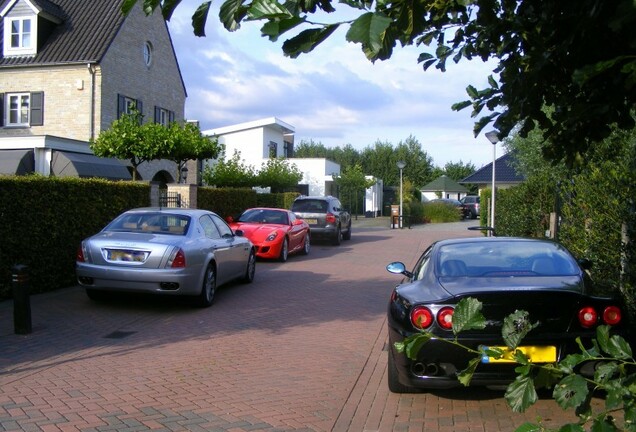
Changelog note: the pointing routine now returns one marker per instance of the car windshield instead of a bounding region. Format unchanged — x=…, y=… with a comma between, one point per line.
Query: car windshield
x=513, y=258
x=310, y=206
x=264, y=216
x=161, y=223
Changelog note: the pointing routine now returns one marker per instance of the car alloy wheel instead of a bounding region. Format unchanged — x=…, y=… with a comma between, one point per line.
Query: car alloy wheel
x=209, y=287
x=251, y=268
x=284, y=251
x=307, y=245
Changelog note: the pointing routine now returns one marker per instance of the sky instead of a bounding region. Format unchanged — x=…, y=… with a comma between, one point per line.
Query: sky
x=332, y=95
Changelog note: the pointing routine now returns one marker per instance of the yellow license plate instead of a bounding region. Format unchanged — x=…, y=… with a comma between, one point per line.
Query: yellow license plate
x=536, y=354
x=130, y=256
x=311, y=221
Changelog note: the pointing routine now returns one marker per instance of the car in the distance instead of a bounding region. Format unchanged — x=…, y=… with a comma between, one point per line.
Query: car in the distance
x=325, y=216
x=506, y=275
x=165, y=251
x=276, y=233
x=471, y=205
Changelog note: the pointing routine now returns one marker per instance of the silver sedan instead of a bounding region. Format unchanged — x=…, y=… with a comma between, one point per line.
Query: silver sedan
x=165, y=251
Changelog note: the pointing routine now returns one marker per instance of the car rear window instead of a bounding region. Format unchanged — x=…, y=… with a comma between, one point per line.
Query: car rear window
x=309, y=206
x=514, y=258
x=162, y=223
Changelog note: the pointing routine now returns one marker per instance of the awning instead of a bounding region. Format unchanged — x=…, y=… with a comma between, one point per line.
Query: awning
x=18, y=162
x=67, y=164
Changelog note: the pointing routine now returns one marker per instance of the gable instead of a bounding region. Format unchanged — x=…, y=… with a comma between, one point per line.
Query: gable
x=73, y=31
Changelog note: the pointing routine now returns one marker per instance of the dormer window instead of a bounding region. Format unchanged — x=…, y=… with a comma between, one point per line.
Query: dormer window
x=19, y=36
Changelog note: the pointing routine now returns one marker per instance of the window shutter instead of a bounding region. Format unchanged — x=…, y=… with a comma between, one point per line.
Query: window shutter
x=121, y=105
x=37, y=108
x=157, y=114
x=170, y=116
x=1, y=109
x=139, y=106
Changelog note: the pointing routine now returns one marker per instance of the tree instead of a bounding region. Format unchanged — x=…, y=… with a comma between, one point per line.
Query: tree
x=279, y=174
x=230, y=173
x=576, y=57
x=126, y=139
x=185, y=142
x=352, y=181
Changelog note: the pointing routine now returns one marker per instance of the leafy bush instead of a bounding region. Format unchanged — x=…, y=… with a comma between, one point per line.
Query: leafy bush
x=43, y=220
x=440, y=212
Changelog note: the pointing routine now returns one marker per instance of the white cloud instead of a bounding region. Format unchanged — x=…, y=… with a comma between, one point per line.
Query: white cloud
x=333, y=95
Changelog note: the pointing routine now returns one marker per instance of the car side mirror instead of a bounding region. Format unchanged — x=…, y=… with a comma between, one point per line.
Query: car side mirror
x=585, y=263
x=398, y=268
x=239, y=233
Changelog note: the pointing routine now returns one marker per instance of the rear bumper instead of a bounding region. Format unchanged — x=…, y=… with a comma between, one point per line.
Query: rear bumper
x=155, y=281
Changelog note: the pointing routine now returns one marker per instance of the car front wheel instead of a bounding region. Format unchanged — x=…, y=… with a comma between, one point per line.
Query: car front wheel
x=284, y=251
x=307, y=245
x=251, y=268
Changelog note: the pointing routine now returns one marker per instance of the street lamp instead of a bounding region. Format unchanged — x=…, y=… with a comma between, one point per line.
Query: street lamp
x=494, y=139
x=401, y=166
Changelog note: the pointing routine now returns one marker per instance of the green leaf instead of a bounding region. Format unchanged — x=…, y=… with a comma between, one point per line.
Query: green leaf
x=460, y=105
x=199, y=19
x=273, y=29
x=231, y=14
x=167, y=8
x=604, y=424
x=369, y=29
x=307, y=40
x=268, y=9
x=515, y=327
x=521, y=394
x=530, y=427
x=571, y=391
x=468, y=316
x=615, y=346
x=466, y=375
x=605, y=372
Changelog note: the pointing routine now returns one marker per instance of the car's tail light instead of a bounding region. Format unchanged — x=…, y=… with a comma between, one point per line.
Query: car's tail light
x=612, y=315
x=445, y=317
x=330, y=218
x=588, y=317
x=177, y=259
x=80, y=257
x=421, y=317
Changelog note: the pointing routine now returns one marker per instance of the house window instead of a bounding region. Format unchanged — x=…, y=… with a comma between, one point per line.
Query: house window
x=19, y=36
x=148, y=54
x=163, y=116
x=273, y=150
x=128, y=105
x=23, y=109
x=288, y=149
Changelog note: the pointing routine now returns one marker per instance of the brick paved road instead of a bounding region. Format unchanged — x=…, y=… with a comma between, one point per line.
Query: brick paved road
x=300, y=349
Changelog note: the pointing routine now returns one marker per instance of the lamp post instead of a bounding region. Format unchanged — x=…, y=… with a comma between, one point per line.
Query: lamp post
x=401, y=166
x=494, y=139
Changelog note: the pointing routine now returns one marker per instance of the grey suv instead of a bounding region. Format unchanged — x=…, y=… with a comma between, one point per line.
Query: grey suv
x=325, y=216
x=471, y=204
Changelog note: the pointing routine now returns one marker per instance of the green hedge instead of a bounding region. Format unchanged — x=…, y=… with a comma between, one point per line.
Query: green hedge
x=44, y=219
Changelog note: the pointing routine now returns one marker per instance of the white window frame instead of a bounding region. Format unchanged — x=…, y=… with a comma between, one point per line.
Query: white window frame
x=19, y=111
x=129, y=105
x=164, y=117
x=22, y=48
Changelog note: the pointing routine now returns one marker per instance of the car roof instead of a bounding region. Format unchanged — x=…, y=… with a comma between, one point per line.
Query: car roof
x=172, y=210
x=491, y=240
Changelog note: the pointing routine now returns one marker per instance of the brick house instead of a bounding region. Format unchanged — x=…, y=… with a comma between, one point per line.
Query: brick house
x=68, y=69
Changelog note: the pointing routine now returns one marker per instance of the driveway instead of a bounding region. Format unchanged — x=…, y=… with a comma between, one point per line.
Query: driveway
x=303, y=348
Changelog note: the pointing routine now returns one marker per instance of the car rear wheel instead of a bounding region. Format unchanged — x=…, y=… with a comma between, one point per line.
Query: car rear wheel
x=395, y=385
x=337, y=238
x=307, y=245
x=347, y=235
x=251, y=268
x=206, y=298
x=284, y=251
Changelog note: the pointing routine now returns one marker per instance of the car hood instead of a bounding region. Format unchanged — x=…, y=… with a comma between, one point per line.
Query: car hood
x=256, y=230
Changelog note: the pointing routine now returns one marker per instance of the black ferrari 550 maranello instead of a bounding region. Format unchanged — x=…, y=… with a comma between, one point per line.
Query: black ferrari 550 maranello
x=506, y=275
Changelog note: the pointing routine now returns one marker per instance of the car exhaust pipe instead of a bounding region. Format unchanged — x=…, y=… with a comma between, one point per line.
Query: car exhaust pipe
x=169, y=286
x=429, y=369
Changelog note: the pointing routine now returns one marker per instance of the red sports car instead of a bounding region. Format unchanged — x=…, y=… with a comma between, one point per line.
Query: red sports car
x=275, y=233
